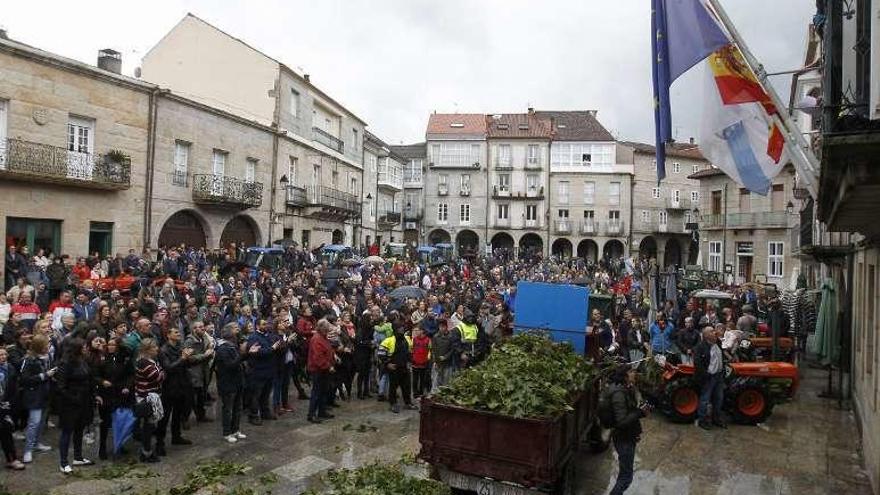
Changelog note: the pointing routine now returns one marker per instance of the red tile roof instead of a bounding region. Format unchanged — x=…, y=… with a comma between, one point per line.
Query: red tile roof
x=518, y=125
x=682, y=150
x=576, y=125
x=457, y=123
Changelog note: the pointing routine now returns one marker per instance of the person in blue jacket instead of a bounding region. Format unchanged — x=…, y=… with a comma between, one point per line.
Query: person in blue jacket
x=661, y=334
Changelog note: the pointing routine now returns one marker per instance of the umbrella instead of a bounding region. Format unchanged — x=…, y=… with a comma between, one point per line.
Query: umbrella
x=350, y=262
x=335, y=274
x=285, y=243
x=408, y=292
x=374, y=260
x=123, y=427
x=826, y=344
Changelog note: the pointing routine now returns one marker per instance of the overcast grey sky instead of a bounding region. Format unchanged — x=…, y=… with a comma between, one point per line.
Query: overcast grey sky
x=393, y=62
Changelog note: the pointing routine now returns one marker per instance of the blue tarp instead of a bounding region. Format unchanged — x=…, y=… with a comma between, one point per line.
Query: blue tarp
x=562, y=310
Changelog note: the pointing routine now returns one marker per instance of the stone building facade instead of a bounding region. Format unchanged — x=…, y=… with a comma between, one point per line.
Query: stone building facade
x=414, y=156
x=315, y=190
x=662, y=213
x=455, y=181
x=746, y=235
x=589, y=188
x=74, y=143
x=518, y=166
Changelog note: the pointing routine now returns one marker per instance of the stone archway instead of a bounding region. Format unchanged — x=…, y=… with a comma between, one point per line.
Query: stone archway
x=338, y=237
x=648, y=248
x=588, y=250
x=672, y=254
x=184, y=227
x=531, y=244
x=439, y=236
x=502, y=240
x=612, y=249
x=561, y=247
x=467, y=242
x=242, y=231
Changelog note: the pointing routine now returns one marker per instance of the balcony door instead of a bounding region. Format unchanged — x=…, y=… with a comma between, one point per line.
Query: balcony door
x=218, y=169
x=3, y=112
x=80, y=148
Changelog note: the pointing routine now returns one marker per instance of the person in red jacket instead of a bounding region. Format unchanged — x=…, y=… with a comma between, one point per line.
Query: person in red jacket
x=421, y=362
x=321, y=362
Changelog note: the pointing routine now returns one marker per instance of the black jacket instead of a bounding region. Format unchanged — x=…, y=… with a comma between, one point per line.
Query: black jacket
x=627, y=415
x=33, y=383
x=702, y=356
x=176, y=376
x=687, y=338
x=229, y=366
x=75, y=394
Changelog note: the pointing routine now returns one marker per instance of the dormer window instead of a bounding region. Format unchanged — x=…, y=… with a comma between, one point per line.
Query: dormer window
x=524, y=127
x=560, y=126
x=457, y=125
x=503, y=127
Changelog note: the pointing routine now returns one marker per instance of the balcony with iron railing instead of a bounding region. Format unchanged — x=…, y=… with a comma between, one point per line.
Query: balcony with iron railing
x=749, y=220
x=222, y=190
x=678, y=204
x=29, y=161
x=613, y=227
x=413, y=178
x=389, y=218
x=327, y=139
x=562, y=227
x=655, y=226
x=413, y=213
x=587, y=227
x=501, y=223
x=533, y=193
x=442, y=189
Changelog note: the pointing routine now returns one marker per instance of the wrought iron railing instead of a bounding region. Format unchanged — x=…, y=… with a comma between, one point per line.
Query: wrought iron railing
x=588, y=227
x=55, y=163
x=389, y=217
x=749, y=220
x=220, y=189
x=297, y=196
x=333, y=198
x=613, y=227
x=327, y=139
x=413, y=213
x=563, y=227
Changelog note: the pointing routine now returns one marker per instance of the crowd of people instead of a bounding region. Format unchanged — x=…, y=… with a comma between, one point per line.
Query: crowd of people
x=195, y=327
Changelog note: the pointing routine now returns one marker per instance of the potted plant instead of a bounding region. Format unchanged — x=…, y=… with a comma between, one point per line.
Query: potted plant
x=115, y=159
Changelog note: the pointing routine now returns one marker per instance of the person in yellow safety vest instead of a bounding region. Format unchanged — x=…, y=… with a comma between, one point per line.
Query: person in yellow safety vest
x=466, y=339
x=395, y=355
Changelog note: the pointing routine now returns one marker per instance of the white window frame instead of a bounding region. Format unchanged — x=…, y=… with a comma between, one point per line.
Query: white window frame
x=714, y=256
x=250, y=170
x=655, y=193
x=464, y=214
x=533, y=182
x=589, y=192
x=4, y=111
x=534, y=213
x=676, y=168
x=646, y=216
x=533, y=154
x=503, y=211
x=442, y=213
x=676, y=196
x=564, y=192
x=292, y=165
x=776, y=259
x=218, y=170
x=465, y=183
x=614, y=193
x=505, y=155
x=181, y=163
x=695, y=196
x=662, y=217
x=294, y=103
x=504, y=182
x=696, y=168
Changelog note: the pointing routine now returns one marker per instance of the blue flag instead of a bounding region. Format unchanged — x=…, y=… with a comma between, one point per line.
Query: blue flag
x=683, y=33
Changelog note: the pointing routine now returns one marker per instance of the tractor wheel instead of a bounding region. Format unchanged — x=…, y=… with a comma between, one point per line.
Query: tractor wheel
x=749, y=402
x=684, y=400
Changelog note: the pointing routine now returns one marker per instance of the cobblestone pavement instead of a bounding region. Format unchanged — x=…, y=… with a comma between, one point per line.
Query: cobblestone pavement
x=806, y=447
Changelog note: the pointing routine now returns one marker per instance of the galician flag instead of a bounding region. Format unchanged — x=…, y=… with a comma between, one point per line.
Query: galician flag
x=738, y=135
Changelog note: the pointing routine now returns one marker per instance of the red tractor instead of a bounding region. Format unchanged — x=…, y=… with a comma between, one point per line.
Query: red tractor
x=751, y=390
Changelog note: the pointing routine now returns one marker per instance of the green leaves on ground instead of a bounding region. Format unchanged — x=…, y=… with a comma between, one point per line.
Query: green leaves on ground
x=528, y=376
x=116, y=471
x=378, y=479
x=212, y=473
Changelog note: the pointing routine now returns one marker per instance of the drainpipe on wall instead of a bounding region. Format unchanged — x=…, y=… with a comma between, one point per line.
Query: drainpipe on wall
x=724, y=234
x=632, y=193
x=276, y=127
x=151, y=168
x=363, y=186
x=486, y=240
x=548, y=208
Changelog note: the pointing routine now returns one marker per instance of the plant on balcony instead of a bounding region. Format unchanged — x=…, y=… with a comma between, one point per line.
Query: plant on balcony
x=117, y=156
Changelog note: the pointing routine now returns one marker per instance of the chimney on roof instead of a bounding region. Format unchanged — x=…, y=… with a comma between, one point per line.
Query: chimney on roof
x=3, y=34
x=110, y=60
x=306, y=77
x=531, y=110
x=691, y=140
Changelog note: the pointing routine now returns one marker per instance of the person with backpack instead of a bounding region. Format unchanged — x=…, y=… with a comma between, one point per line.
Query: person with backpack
x=620, y=411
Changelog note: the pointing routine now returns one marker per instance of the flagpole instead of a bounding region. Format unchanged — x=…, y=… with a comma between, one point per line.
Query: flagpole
x=804, y=159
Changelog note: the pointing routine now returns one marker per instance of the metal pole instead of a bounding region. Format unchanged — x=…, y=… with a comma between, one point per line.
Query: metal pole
x=803, y=157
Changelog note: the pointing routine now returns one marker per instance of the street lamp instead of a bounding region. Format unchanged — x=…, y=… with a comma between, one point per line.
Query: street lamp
x=789, y=208
x=284, y=181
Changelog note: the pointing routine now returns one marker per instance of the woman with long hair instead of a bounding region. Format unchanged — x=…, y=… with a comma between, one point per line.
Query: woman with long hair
x=36, y=373
x=76, y=402
x=147, y=385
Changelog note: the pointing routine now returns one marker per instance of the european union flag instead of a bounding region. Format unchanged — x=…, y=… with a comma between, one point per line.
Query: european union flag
x=683, y=32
